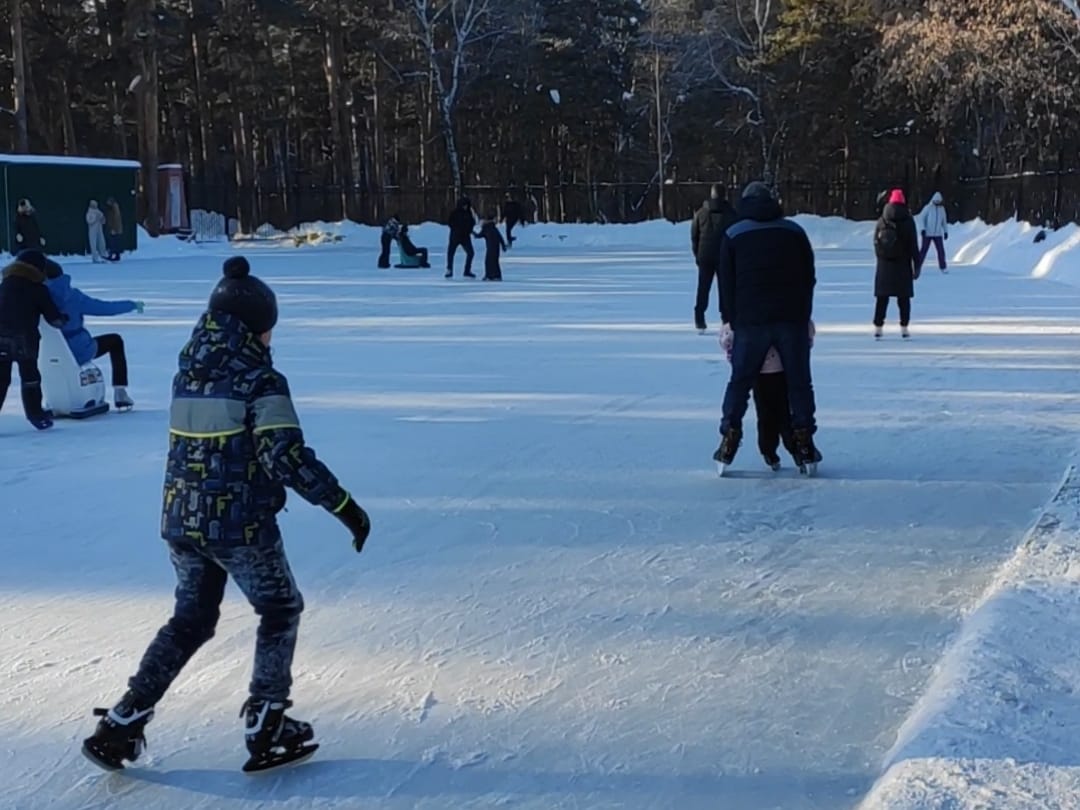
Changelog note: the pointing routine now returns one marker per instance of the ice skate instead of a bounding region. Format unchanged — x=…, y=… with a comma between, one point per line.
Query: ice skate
x=877, y=333
x=725, y=453
x=41, y=421
x=273, y=738
x=469, y=274
x=121, y=399
x=904, y=333
x=119, y=734
x=448, y=274
x=807, y=456
x=772, y=461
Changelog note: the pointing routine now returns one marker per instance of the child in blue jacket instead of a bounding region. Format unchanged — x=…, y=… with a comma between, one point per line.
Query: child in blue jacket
x=75, y=304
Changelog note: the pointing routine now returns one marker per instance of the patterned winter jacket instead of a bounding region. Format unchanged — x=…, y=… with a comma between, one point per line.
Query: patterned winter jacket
x=235, y=442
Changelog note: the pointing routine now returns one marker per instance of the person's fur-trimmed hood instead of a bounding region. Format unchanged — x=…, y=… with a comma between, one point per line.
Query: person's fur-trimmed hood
x=24, y=270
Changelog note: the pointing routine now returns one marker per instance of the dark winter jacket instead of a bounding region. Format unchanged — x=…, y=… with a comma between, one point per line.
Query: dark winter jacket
x=708, y=228
x=461, y=222
x=27, y=233
x=24, y=300
x=766, y=268
x=512, y=212
x=235, y=442
x=406, y=243
x=896, y=276
x=493, y=240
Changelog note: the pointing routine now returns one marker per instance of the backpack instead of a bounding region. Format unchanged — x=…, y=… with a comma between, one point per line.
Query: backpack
x=887, y=241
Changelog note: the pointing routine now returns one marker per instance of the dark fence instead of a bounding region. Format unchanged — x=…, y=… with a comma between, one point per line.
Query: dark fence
x=1041, y=197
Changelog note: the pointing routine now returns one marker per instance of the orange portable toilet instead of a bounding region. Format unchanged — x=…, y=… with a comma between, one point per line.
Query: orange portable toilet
x=172, y=201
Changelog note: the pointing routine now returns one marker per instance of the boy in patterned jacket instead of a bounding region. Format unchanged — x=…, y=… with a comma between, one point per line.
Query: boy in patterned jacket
x=235, y=444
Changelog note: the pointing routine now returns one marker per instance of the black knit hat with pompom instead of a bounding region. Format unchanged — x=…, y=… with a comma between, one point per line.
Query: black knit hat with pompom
x=248, y=298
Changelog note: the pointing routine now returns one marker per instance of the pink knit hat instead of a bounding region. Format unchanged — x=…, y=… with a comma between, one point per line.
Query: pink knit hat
x=896, y=197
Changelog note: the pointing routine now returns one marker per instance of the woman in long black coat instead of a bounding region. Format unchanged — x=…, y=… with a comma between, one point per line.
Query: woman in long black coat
x=897, y=249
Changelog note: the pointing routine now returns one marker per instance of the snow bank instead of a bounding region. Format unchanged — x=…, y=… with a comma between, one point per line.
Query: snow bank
x=999, y=724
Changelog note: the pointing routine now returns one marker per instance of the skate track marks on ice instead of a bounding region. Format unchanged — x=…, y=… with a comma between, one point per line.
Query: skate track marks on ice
x=560, y=606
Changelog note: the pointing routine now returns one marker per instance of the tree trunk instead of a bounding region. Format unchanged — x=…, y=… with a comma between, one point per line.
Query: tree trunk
x=446, y=123
x=142, y=36
x=18, y=88
x=659, y=135
x=333, y=67
x=203, y=107
x=378, y=159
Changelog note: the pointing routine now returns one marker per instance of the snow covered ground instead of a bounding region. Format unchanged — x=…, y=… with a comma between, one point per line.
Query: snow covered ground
x=560, y=605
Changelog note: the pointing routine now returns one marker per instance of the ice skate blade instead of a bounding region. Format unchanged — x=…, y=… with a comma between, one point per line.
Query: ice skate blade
x=808, y=470
x=720, y=467
x=104, y=764
x=273, y=762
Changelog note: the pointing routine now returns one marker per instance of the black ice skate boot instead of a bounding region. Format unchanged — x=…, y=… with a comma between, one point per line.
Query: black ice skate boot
x=772, y=460
x=807, y=456
x=119, y=734
x=729, y=446
x=273, y=738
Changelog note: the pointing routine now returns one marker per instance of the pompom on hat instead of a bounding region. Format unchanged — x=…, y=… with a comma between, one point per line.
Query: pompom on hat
x=247, y=297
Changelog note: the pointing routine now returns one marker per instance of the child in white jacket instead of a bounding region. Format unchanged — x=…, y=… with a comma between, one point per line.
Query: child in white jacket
x=935, y=230
x=95, y=231
x=770, y=400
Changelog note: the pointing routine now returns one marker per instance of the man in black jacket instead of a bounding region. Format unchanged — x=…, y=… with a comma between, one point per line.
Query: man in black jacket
x=767, y=283
x=512, y=213
x=706, y=235
x=461, y=222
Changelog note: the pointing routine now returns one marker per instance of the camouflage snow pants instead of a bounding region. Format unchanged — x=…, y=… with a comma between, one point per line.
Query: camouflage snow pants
x=262, y=573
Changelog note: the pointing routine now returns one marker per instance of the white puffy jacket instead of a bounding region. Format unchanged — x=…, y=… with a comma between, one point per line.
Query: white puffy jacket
x=935, y=221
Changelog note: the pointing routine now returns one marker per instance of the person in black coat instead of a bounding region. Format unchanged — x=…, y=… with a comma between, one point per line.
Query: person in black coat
x=512, y=213
x=409, y=249
x=461, y=222
x=767, y=280
x=27, y=231
x=494, y=245
x=707, y=231
x=896, y=247
x=390, y=232
x=24, y=299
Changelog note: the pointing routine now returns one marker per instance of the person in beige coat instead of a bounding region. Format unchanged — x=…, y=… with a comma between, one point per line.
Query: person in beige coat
x=95, y=232
x=114, y=221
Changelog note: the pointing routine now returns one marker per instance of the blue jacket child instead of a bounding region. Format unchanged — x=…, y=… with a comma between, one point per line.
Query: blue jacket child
x=76, y=304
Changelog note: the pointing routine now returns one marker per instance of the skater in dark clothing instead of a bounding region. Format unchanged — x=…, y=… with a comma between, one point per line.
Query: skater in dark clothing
x=494, y=244
x=706, y=235
x=767, y=281
x=235, y=444
x=770, y=393
x=24, y=300
x=410, y=249
x=390, y=231
x=896, y=247
x=513, y=213
x=461, y=222
x=27, y=232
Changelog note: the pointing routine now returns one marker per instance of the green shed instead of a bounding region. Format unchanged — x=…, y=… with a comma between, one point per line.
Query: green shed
x=60, y=189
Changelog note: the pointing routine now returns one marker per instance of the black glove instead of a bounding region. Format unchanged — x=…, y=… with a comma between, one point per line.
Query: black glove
x=356, y=520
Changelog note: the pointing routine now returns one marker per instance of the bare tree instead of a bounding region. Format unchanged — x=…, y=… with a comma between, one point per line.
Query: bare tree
x=680, y=64
x=449, y=32
x=22, y=134
x=740, y=44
